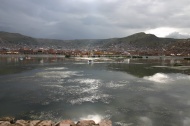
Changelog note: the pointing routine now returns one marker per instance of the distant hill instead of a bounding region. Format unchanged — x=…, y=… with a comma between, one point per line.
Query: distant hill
x=140, y=41
x=15, y=39
x=69, y=44
x=181, y=46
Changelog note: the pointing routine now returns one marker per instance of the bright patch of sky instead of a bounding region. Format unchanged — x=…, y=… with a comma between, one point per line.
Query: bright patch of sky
x=162, y=31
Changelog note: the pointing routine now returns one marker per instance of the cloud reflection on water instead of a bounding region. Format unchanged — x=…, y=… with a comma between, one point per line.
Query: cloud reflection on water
x=129, y=99
x=96, y=118
x=166, y=78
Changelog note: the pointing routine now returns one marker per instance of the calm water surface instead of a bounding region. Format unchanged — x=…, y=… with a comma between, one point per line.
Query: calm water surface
x=130, y=93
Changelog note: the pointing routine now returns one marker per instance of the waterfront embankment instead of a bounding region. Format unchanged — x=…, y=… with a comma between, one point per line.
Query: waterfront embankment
x=9, y=121
x=32, y=56
x=94, y=57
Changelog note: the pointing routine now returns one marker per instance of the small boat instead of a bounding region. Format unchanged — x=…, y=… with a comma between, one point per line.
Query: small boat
x=21, y=58
x=41, y=61
x=27, y=57
x=90, y=61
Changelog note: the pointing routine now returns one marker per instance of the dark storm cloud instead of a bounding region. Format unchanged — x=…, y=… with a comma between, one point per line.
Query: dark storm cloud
x=77, y=19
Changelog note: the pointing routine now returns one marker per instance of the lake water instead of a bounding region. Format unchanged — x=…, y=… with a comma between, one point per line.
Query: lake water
x=143, y=92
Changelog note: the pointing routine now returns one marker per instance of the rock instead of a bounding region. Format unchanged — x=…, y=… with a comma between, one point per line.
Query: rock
x=22, y=123
x=34, y=122
x=9, y=119
x=66, y=123
x=105, y=123
x=4, y=123
x=46, y=123
x=85, y=123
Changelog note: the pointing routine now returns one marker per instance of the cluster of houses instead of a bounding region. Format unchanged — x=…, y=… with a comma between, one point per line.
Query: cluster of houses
x=94, y=52
x=71, y=52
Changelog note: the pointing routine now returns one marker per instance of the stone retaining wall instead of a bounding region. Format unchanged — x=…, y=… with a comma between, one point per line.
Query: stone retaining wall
x=9, y=121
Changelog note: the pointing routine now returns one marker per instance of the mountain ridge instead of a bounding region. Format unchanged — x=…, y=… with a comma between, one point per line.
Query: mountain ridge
x=137, y=41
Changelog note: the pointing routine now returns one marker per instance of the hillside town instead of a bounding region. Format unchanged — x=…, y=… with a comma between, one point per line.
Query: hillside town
x=94, y=52
x=139, y=44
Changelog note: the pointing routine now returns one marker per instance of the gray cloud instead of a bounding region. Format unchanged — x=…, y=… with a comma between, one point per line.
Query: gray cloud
x=178, y=35
x=82, y=19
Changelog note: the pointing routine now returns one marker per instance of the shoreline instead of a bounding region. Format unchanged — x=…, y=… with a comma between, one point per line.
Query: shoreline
x=9, y=121
x=91, y=57
x=32, y=56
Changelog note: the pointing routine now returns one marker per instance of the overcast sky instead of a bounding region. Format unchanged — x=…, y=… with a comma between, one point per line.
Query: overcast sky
x=84, y=19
